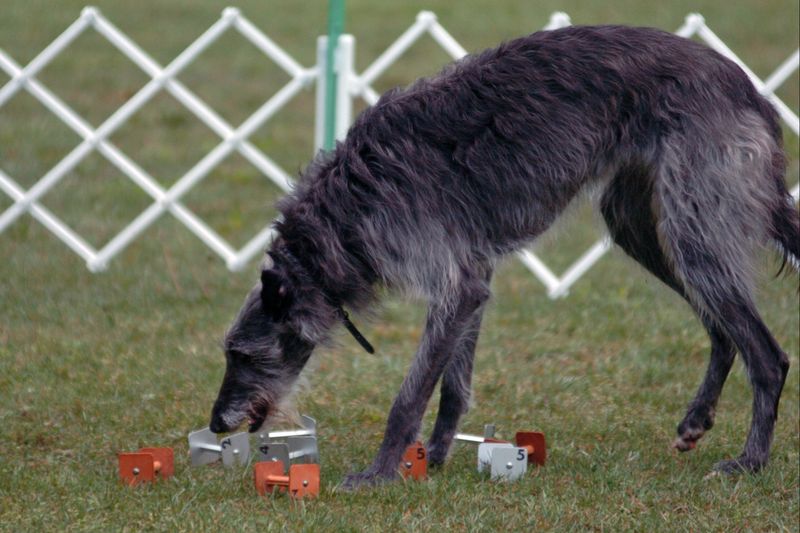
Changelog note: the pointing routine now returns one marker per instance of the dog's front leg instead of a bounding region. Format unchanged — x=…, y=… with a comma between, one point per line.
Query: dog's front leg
x=455, y=392
x=444, y=327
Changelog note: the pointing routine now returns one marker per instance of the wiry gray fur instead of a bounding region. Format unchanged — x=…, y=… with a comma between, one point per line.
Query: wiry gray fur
x=437, y=182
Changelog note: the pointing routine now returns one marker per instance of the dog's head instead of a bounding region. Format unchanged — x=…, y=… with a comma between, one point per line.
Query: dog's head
x=265, y=350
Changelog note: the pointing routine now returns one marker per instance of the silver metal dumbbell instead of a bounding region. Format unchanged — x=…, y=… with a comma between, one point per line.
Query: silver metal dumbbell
x=298, y=445
x=204, y=448
x=505, y=460
x=501, y=458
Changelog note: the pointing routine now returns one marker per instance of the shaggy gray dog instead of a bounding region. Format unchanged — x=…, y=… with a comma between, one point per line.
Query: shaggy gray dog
x=437, y=182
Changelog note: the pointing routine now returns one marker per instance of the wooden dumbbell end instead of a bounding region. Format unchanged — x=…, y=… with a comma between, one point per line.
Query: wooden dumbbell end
x=415, y=462
x=304, y=481
x=135, y=468
x=535, y=443
x=148, y=464
x=165, y=457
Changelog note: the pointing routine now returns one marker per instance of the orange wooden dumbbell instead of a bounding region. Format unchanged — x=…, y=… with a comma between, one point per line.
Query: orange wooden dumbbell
x=415, y=462
x=148, y=464
x=302, y=481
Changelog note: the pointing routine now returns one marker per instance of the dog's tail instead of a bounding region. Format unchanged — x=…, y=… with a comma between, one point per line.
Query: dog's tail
x=785, y=232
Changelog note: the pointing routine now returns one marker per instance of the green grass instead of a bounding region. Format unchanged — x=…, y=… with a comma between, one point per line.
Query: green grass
x=95, y=364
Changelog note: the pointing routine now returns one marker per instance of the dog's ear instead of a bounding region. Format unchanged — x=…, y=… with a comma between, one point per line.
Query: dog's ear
x=275, y=293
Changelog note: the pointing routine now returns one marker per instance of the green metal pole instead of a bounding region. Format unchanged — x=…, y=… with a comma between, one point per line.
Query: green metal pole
x=335, y=28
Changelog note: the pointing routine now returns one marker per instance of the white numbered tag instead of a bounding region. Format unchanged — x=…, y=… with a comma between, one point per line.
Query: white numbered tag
x=235, y=449
x=486, y=451
x=275, y=451
x=509, y=464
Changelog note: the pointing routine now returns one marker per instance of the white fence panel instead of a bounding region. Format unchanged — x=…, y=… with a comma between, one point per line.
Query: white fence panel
x=163, y=78
x=351, y=85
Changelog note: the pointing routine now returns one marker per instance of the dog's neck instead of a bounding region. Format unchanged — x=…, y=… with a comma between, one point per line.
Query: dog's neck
x=311, y=276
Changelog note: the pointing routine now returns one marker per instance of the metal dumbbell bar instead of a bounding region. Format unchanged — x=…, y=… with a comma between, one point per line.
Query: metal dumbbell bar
x=273, y=446
x=488, y=433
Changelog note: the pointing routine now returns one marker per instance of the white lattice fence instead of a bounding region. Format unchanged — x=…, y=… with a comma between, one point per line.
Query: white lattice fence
x=163, y=78
x=426, y=23
x=351, y=85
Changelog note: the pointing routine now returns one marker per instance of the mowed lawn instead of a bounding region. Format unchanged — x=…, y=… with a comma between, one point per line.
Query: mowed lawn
x=94, y=364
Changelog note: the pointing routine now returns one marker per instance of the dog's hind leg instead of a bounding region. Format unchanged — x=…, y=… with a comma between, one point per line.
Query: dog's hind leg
x=715, y=209
x=767, y=365
x=626, y=206
x=446, y=324
x=702, y=410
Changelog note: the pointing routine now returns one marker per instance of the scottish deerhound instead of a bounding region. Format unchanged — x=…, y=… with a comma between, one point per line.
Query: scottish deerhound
x=437, y=181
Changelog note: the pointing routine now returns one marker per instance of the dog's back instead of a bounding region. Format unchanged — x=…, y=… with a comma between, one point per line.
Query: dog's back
x=479, y=160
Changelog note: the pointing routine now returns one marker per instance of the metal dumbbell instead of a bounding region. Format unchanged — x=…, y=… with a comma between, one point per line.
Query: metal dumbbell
x=204, y=448
x=302, y=481
x=148, y=464
x=503, y=459
x=414, y=464
x=299, y=445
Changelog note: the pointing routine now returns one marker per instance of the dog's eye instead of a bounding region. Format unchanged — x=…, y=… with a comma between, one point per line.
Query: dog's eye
x=236, y=357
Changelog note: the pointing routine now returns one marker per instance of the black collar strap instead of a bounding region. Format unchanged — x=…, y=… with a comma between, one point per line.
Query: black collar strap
x=354, y=331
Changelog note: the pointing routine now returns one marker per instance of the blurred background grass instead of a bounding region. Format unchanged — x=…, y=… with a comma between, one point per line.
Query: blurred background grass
x=95, y=364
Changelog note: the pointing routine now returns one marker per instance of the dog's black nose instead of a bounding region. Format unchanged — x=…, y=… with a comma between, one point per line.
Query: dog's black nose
x=217, y=425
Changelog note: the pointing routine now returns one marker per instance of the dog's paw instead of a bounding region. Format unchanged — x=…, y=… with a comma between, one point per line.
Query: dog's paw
x=368, y=478
x=740, y=465
x=687, y=440
x=692, y=429
x=437, y=454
